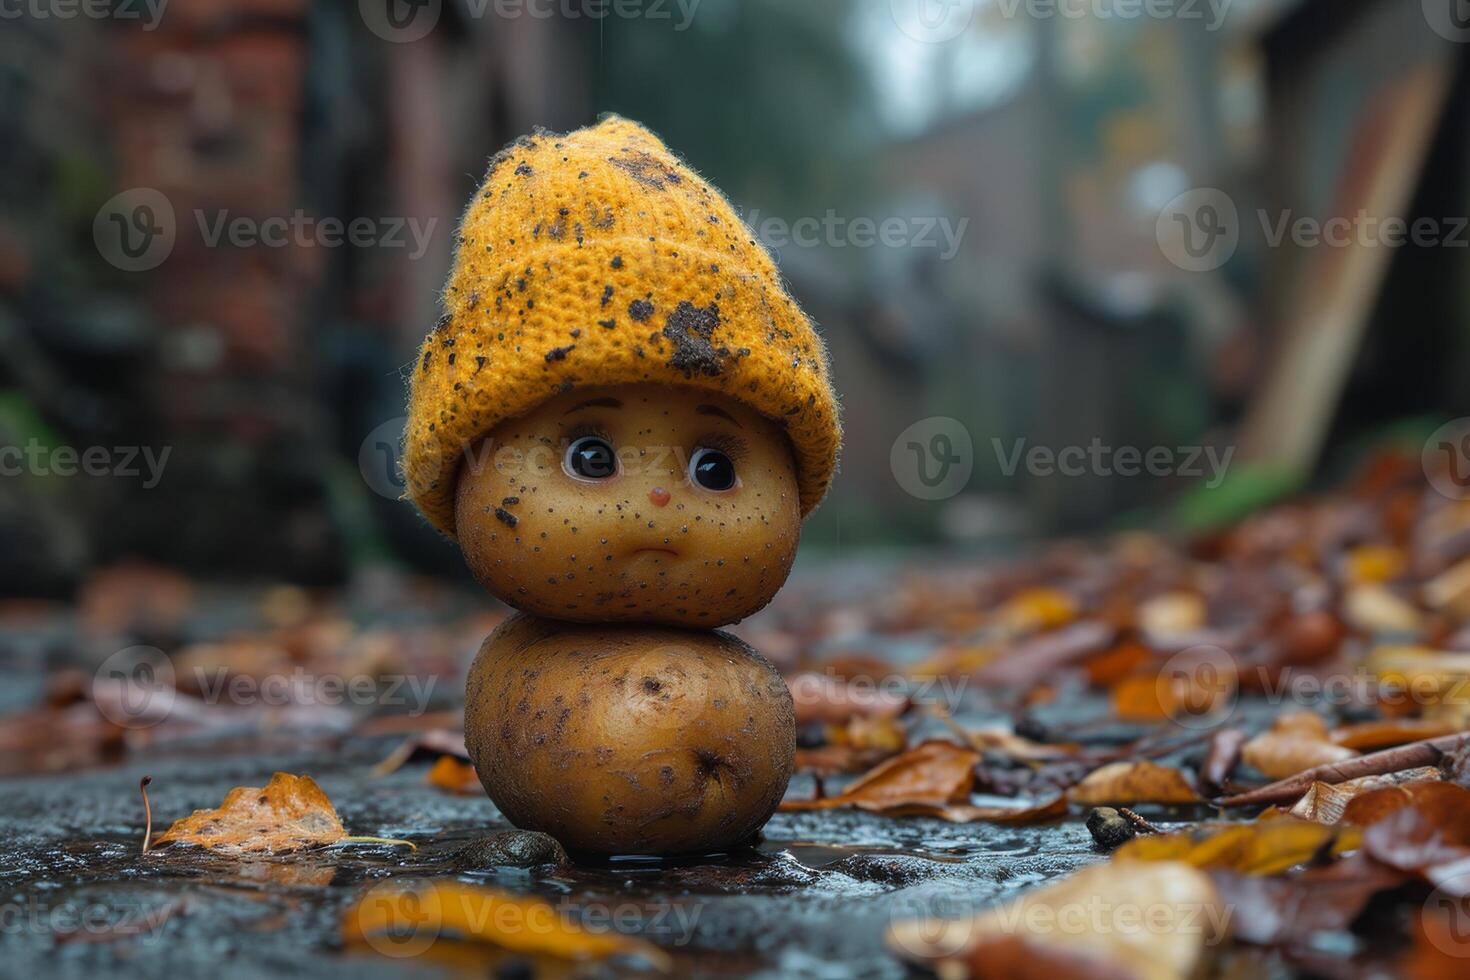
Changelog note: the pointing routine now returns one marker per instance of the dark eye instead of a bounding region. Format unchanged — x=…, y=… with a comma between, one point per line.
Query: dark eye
x=591, y=458
x=712, y=469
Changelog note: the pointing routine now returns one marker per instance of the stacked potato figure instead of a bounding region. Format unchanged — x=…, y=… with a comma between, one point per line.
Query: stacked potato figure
x=623, y=419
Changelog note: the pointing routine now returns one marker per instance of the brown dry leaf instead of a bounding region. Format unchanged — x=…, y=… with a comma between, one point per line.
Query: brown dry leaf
x=413, y=917
x=1262, y=848
x=1292, y=909
x=1420, y=828
x=933, y=773
x=1297, y=742
x=1041, y=933
x=1027, y=813
x=1134, y=782
x=289, y=814
x=1112, y=666
x=455, y=776
x=1325, y=802
x=1017, y=747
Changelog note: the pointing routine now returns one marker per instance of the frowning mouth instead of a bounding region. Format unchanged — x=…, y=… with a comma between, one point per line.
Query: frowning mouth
x=656, y=551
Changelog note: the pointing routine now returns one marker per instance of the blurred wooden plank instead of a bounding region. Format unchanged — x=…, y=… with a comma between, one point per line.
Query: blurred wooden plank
x=1329, y=307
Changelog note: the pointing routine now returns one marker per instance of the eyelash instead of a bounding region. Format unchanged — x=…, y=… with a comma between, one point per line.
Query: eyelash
x=584, y=429
x=731, y=445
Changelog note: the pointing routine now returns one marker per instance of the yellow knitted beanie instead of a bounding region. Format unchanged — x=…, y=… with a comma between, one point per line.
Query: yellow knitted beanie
x=599, y=258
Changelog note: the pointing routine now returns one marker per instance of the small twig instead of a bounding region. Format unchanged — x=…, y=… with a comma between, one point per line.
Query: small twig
x=1426, y=752
x=147, y=812
x=819, y=787
x=1137, y=821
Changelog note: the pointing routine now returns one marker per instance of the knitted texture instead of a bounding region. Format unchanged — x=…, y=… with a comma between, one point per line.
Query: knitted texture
x=599, y=258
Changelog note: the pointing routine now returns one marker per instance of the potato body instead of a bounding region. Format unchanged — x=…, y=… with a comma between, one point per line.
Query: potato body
x=629, y=739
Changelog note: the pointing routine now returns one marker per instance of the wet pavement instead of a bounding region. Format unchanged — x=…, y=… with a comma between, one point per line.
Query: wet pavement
x=813, y=899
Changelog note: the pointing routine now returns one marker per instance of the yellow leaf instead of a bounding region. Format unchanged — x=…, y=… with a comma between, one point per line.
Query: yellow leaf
x=1150, y=921
x=408, y=919
x=1262, y=848
x=1039, y=608
x=289, y=814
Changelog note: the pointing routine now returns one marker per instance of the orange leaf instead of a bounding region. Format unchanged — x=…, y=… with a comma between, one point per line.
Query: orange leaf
x=1134, y=782
x=1297, y=742
x=932, y=773
x=402, y=920
x=455, y=776
x=1374, y=735
x=289, y=814
x=1262, y=848
x=1325, y=802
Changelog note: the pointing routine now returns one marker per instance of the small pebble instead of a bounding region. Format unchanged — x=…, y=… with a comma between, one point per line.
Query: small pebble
x=1109, y=828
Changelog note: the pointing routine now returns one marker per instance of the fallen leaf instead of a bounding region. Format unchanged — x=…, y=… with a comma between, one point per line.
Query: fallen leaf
x=933, y=773
x=1171, y=614
x=1375, y=609
x=1292, y=909
x=1134, y=782
x=1027, y=662
x=1027, y=813
x=1370, y=736
x=1261, y=848
x=1086, y=925
x=1039, y=608
x=1298, y=741
x=453, y=775
x=289, y=814
x=1325, y=802
x=395, y=919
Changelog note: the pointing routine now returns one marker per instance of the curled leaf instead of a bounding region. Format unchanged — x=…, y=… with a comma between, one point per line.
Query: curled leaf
x=933, y=773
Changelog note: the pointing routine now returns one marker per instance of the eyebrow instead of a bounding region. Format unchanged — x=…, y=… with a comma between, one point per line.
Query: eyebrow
x=716, y=410
x=594, y=403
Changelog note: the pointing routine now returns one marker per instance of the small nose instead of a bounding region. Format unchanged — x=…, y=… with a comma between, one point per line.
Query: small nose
x=658, y=496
